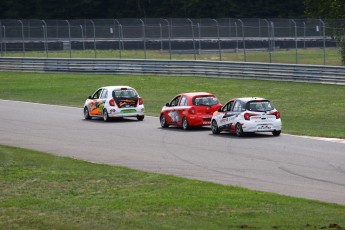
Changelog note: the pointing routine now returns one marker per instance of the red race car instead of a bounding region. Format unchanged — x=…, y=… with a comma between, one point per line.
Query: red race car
x=189, y=109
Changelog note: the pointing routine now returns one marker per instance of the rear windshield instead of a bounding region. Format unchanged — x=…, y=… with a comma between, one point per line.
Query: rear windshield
x=260, y=106
x=125, y=98
x=205, y=100
x=125, y=93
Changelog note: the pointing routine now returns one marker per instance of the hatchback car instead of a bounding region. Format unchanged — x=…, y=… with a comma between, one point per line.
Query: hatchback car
x=247, y=115
x=189, y=109
x=114, y=101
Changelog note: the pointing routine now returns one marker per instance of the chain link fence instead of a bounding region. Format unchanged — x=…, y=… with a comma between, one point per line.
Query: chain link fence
x=298, y=41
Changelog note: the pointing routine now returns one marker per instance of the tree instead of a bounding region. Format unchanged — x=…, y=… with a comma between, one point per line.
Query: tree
x=330, y=9
x=325, y=8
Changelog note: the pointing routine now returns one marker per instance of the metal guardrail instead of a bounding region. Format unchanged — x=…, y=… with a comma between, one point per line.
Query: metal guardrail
x=240, y=70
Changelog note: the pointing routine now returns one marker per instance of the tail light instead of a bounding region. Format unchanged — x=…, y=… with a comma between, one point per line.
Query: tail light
x=248, y=115
x=276, y=113
x=140, y=101
x=112, y=102
x=191, y=110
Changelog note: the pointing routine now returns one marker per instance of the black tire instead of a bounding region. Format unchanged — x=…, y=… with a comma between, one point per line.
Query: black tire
x=163, y=121
x=239, y=130
x=214, y=127
x=185, y=124
x=276, y=132
x=105, y=115
x=86, y=114
x=140, y=118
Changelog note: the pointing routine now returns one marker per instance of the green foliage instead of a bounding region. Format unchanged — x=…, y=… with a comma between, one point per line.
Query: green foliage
x=325, y=8
x=329, y=9
x=342, y=51
x=65, y=9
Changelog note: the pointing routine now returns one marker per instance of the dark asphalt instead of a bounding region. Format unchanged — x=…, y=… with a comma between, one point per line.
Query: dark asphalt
x=288, y=165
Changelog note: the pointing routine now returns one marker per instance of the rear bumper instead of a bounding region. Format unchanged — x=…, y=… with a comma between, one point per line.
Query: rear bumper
x=127, y=112
x=199, y=121
x=262, y=126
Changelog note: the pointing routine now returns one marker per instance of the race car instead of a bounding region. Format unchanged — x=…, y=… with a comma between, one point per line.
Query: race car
x=189, y=109
x=247, y=115
x=114, y=101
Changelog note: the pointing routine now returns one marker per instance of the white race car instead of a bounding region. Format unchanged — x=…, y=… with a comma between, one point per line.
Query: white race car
x=114, y=101
x=247, y=115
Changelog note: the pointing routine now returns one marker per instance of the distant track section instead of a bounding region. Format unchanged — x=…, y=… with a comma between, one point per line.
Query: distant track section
x=217, y=69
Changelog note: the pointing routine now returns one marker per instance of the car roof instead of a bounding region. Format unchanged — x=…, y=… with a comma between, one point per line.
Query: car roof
x=193, y=94
x=246, y=99
x=116, y=87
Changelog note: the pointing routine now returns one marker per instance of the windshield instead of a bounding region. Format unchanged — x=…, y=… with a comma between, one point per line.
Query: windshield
x=260, y=106
x=205, y=100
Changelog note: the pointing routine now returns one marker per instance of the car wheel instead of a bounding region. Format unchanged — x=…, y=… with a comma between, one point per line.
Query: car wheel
x=140, y=118
x=276, y=132
x=214, y=127
x=105, y=115
x=239, y=130
x=86, y=114
x=185, y=124
x=163, y=122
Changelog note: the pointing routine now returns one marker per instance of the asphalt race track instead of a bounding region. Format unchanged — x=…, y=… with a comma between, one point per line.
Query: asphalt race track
x=289, y=165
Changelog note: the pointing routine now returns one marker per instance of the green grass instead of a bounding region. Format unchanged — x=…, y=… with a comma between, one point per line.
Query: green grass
x=307, y=109
x=41, y=191
x=305, y=56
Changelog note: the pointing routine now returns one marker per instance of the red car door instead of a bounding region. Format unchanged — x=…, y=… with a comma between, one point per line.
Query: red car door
x=171, y=112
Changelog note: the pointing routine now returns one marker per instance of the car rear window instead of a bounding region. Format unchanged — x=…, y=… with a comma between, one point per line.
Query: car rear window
x=125, y=93
x=125, y=98
x=205, y=100
x=260, y=106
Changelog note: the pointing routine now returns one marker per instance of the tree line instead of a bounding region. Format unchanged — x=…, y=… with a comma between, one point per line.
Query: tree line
x=67, y=9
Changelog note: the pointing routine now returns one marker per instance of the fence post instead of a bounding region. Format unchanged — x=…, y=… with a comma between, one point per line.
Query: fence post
x=219, y=46
x=122, y=46
x=199, y=34
x=144, y=37
x=5, y=48
x=82, y=36
x=295, y=40
x=161, y=35
x=229, y=27
x=269, y=40
x=69, y=39
x=324, y=41
x=244, y=42
x=44, y=27
x=119, y=28
x=191, y=24
x=304, y=34
x=272, y=36
x=169, y=34
x=94, y=38
x=20, y=21
x=236, y=33
x=1, y=37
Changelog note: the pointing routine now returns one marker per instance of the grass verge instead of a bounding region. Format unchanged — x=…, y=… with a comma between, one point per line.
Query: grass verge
x=42, y=191
x=314, y=56
x=307, y=109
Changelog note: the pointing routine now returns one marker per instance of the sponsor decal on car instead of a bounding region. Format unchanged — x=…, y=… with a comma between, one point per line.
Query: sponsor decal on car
x=175, y=116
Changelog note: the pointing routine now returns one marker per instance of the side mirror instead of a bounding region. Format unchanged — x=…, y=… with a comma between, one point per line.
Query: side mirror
x=167, y=104
x=89, y=97
x=220, y=110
